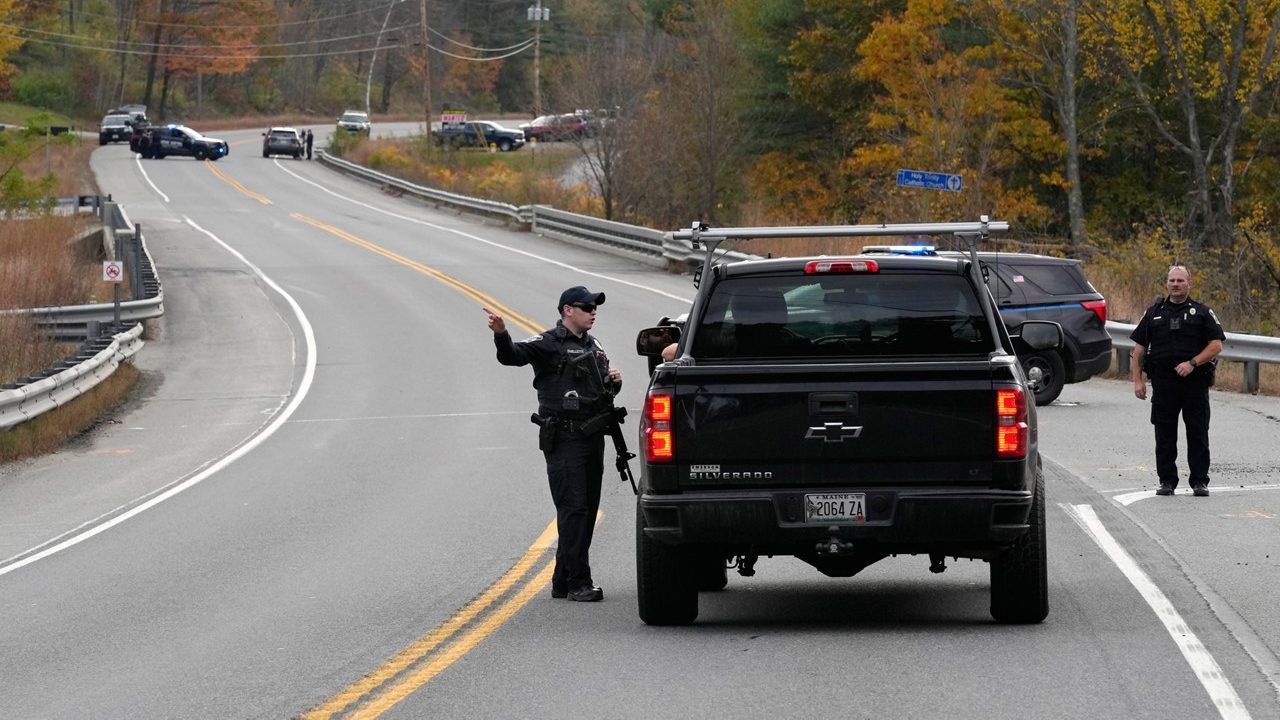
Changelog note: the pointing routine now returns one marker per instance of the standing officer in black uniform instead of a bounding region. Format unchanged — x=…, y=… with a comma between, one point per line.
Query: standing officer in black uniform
x=575, y=384
x=1178, y=337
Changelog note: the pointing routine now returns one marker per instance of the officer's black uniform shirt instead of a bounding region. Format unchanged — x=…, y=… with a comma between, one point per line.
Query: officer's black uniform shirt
x=555, y=373
x=1173, y=333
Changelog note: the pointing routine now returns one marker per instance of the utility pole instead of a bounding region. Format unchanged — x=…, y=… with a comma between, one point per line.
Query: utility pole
x=537, y=15
x=426, y=70
x=368, y=86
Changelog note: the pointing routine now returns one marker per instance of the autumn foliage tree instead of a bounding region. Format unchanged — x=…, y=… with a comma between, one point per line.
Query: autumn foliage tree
x=945, y=109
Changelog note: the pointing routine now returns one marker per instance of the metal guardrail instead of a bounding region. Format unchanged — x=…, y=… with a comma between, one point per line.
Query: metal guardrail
x=100, y=354
x=70, y=322
x=656, y=247
x=632, y=241
x=488, y=207
x=56, y=387
x=1252, y=350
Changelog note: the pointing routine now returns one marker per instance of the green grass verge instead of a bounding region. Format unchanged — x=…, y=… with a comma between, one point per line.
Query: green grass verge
x=12, y=113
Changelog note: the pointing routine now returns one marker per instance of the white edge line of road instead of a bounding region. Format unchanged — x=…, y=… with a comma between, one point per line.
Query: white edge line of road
x=1130, y=498
x=138, y=159
x=303, y=388
x=1203, y=664
x=477, y=238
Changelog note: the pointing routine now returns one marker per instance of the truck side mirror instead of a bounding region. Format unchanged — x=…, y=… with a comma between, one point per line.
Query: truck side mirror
x=651, y=341
x=1037, y=335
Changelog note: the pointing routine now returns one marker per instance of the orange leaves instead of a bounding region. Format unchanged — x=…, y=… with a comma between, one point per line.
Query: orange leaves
x=948, y=111
x=790, y=190
x=466, y=79
x=227, y=29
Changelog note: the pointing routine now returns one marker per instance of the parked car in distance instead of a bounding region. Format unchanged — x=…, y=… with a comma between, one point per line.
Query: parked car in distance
x=354, y=121
x=160, y=142
x=479, y=133
x=283, y=141
x=556, y=127
x=1041, y=287
x=115, y=127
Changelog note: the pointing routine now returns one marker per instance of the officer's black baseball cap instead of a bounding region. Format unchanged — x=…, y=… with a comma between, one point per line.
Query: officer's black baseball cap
x=579, y=294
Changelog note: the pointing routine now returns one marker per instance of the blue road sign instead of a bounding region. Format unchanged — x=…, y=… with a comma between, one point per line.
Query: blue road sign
x=930, y=180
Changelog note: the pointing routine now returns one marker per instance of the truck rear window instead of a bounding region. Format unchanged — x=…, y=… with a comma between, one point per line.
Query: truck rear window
x=842, y=315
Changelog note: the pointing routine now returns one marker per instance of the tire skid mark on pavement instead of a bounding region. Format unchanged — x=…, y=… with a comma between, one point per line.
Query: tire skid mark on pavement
x=1203, y=665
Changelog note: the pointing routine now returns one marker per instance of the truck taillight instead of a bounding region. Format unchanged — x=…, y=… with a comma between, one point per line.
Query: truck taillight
x=839, y=267
x=659, y=439
x=1011, y=423
x=1099, y=308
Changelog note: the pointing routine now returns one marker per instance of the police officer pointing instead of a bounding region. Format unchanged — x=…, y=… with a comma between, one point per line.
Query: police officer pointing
x=1178, y=338
x=575, y=388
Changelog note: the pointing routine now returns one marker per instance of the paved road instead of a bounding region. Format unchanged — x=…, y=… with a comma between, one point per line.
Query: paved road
x=328, y=478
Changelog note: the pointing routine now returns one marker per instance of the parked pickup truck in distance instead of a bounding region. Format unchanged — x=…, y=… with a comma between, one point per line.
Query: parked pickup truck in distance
x=479, y=133
x=841, y=410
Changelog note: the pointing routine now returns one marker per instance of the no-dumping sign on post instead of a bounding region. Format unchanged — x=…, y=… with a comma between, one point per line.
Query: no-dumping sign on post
x=929, y=180
x=112, y=271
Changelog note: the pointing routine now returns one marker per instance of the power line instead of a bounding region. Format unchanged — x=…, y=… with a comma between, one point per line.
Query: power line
x=201, y=56
x=201, y=46
x=139, y=21
x=472, y=47
x=524, y=46
x=206, y=56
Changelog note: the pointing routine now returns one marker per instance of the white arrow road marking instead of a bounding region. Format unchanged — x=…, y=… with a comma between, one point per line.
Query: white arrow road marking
x=1130, y=498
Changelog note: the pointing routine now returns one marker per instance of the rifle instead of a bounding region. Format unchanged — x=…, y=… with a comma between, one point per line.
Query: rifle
x=611, y=422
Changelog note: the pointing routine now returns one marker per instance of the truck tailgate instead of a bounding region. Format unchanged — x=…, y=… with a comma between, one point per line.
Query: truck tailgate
x=828, y=423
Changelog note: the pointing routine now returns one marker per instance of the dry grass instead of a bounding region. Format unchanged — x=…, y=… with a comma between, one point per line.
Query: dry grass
x=52, y=429
x=69, y=163
x=39, y=268
x=523, y=177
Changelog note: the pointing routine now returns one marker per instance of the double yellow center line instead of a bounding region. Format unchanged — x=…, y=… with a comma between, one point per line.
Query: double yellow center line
x=414, y=666
x=425, y=658
x=381, y=689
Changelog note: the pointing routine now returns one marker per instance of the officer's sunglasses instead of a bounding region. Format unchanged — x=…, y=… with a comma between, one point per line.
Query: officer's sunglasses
x=585, y=307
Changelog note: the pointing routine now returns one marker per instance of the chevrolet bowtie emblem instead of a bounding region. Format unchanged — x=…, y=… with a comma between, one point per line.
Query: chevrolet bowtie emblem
x=833, y=432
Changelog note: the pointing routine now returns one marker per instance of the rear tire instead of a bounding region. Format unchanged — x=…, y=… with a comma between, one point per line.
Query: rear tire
x=664, y=586
x=707, y=572
x=1020, y=577
x=1053, y=375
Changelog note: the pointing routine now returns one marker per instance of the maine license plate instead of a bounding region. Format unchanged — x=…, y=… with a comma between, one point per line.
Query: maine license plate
x=828, y=507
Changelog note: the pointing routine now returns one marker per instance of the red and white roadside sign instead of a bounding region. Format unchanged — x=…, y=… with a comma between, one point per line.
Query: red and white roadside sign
x=112, y=271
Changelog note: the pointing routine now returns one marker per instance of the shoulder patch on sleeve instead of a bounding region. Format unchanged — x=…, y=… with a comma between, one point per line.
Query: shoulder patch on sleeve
x=1214, y=315
x=535, y=338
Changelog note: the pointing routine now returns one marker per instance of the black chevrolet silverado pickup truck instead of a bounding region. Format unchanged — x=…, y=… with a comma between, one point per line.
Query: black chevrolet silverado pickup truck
x=840, y=410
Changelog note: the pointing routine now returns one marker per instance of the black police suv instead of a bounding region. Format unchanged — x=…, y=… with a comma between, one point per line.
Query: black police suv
x=158, y=142
x=1039, y=287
